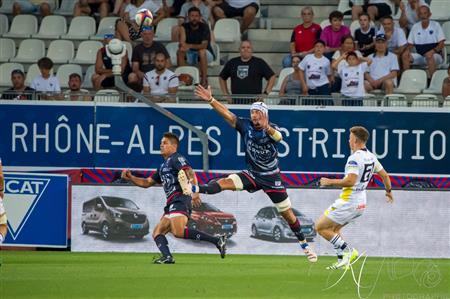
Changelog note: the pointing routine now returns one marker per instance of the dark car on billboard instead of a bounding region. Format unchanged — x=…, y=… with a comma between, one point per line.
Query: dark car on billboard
x=111, y=215
x=270, y=224
x=213, y=221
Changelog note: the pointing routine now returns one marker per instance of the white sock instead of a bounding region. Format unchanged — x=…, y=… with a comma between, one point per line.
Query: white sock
x=339, y=245
x=1, y=238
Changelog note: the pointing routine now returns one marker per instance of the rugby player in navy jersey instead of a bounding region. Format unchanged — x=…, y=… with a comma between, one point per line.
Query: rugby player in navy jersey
x=261, y=155
x=178, y=206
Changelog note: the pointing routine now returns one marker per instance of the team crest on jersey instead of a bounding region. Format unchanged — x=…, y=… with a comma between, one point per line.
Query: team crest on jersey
x=242, y=71
x=182, y=160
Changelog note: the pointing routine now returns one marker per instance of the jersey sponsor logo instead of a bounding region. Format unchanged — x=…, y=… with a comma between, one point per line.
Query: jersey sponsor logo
x=182, y=161
x=242, y=71
x=172, y=208
x=21, y=197
x=352, y=163
x=277, y=183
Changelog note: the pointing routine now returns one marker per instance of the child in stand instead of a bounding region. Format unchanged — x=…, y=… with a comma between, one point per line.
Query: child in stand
x=365, y=35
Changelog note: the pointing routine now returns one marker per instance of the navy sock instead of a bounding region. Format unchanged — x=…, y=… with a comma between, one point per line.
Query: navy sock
x=211, y=188
x=194, y=234
x=162, y=244
x=297, y=229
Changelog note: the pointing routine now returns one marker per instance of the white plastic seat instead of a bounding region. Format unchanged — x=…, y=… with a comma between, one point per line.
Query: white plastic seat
x=66, y=8
x=440, y=10
x=23, y=26
x=164, y=29
x=32, y=72
x=5, y=72
x=436, y=82
x=129, y=48
x=215, y=47
x=80, y=28
x=412, y=81
x=191, y=70
x=396, y=100
x=425, y=100
x=107, y=95
x=87, y=82
x=283, y=74
x=446, y=29
x=172, y=49
x=227, y=31
x=52, y=27
x=344, y=5
x=64, y=72
x=87, y=51
x=7, y=6
x=4, y=24
x=325, y=23
x=7, y=49
x=446, y=102
x=107, y=25
x=30, y=50
x=61, y=51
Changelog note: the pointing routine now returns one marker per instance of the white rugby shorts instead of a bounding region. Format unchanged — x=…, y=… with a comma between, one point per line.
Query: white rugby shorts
x=343, y=212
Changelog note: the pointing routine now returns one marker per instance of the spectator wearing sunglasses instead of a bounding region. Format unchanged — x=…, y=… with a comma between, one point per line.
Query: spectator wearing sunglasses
x=160, y=81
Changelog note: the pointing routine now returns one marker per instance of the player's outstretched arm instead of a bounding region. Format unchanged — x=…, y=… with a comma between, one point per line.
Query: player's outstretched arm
x=348, y=181
x=206, y=95
x=141, y=182
x=387, y=184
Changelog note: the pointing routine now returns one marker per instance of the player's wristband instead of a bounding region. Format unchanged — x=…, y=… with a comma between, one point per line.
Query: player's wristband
x=388, y=190
x=211, y=99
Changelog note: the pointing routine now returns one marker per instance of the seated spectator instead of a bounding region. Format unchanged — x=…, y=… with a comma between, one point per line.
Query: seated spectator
x=103, y=76
x=75, y=93
x=446, y=85
x=175, y=9
x=183, y=16
x=31, y=6
x=409, y=13
x=352, y=74
x=316, y=75
x=247, y=9
x=119, y=7
x=126, y=27
x=382, y=73
x=396, y=39
x=46, y=82
x=18, y=91
x=347, y=45
x=376, y=9
x=246, y=73
x=428, y=38
x=303, y=36
x=143, y=59
x=365, y=35
x=160, y=81
x=195, y=44
x=332, y=34
x=291, y=84
x=90, y=7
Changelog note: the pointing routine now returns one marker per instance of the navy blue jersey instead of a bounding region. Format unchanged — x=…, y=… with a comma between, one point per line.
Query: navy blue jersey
x=261, y=152
x=167, y=174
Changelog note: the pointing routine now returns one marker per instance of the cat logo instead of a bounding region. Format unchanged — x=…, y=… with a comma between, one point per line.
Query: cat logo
x=242, y=71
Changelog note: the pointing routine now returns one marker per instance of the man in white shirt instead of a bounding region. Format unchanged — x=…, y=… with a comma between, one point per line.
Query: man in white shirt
x=247, y=9
x=428, y=38
x=409, y=13
x=46, y=82
x=384, y=68
x=3, y=220
x=160, y=81
x=395, y=36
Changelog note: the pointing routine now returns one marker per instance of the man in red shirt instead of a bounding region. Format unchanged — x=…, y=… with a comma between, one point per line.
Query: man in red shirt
x=303, y=36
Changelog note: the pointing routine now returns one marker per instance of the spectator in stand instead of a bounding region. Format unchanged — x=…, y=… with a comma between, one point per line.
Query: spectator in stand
x=46, y=82
x=103, y=76
x=376, y=9
x=332, y=34
x=365, y=35
x=160, y=81
x=347, y=45
x=396, y=38
x=119, y=7
x=246, y=73
x=183, y=16
x=247, y=9
x=143, y=59
x=409, y=13
x=195, y=44
x=18, y=91
x=291, y=85
x=90, y=7
x=382, y=73
x=126, y=27
x=428, y=38
x=446, y=85
x=75, y=92
x=303, y=36
x=31, y=6
x=175, y=9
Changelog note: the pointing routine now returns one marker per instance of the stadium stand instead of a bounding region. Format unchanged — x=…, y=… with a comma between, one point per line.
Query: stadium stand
x=7, y=49
x=22, y=26
x=5, y=72
x=30, y=50
x=64, y=72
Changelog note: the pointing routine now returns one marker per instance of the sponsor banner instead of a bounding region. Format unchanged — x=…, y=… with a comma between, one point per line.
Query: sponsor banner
x=87, y=135
x=36, y=208
x=250, y=221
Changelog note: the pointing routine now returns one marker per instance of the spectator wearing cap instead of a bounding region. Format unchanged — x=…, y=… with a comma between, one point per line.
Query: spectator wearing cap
x=18, y=91
x=160, y=81
x=332, y=34
x=75, y=92
x=446, y=85
x=31, y=6
x=382, y=73
x=428, y=38
x=247, y=9
x=46, y=82
x=143, y=59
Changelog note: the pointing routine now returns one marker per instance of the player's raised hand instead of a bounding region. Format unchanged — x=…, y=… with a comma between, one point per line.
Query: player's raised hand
x=264, y=118
x=126, y=174
x=389, y=197
x=203, y=93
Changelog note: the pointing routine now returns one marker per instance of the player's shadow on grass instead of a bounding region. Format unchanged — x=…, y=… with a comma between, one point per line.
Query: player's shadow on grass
x=271, y=239
x=119, y=239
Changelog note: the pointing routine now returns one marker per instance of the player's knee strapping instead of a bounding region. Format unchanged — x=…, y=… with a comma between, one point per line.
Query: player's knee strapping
x=284, y=205
x=212, y=187
x=238, y=185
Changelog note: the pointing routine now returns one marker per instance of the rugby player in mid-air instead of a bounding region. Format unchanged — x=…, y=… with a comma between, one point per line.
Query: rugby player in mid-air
x=3, y=220
x=178, y=207
x=361, y=165
x=261, y=155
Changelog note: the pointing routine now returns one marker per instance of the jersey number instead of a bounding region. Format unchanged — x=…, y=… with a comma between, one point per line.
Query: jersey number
x=368, y=171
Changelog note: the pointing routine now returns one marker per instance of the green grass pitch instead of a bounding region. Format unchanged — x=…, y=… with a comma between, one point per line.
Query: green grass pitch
x=119, y=275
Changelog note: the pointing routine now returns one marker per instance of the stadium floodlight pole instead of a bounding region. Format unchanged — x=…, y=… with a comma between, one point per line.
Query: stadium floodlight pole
x=116, y=50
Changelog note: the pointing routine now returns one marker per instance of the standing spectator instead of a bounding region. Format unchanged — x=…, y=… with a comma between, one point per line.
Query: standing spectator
x=31, y=6
x=126, y=27
x=246, y=73
x=75, y=92
x=18, y=91
x=383, y=71
x=347, y=45
x=376, y=9
x=143, y=59
x=332, y=34
x=247, y=9
x=90, y=7
x=303, y=36
x=195, y=44
x=46, y=82
x=446, y=85
x=160, y=80
x=396, y=38
x=291, y=85
x=315, y=73
x=183, y=16
x=409, y=13
x=103, y=77
x=365, y=35
x=428, y=38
